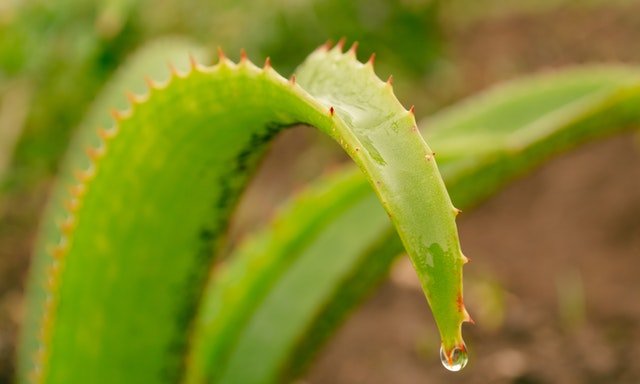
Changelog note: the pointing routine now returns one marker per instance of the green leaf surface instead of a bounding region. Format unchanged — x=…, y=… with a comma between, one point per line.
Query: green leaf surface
x=514, y=127
x=150, y=61
x=124, y=271
x=306, y=243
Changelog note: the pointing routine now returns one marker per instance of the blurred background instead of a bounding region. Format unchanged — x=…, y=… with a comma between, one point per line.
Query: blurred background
x=554, y=283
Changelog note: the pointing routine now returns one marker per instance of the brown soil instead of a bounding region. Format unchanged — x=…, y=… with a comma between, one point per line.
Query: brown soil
x=553, y=284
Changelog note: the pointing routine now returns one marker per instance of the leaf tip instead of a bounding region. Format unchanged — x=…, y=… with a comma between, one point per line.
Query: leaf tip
x=172, y=69
x=133, y=99
x=103, y=134
x=466, y=317
x=95, y=153
x=84, y=176
x=221, y=56
x=77, y=190
x=353, y=50
x=57, y=251
x=193, y=62
x=117, y=115
x=66, y=225
x=72, y=204
x=372, y=59
x=150, y=83
x=326, y=46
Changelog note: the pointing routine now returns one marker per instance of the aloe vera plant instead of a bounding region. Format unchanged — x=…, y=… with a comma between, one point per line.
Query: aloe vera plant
x=116, y=283
x=104, y=248
x=239, y=331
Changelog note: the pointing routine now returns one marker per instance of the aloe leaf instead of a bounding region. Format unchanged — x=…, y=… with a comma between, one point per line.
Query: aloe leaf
x=514, y=127
x=265, y=282
x=151, y=61
x=143, y=221
x=517, y=127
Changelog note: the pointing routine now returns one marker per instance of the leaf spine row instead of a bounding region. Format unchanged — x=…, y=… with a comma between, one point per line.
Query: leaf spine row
x=66, y=227
x=77, y=191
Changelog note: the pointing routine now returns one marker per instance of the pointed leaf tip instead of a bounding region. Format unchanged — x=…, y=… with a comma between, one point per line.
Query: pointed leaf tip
x=390, y=80
x=150, y=83
x=221, y=55
x=103, y=134
x=267, y=63
x=66, y=226
x=81, y=176
x=292, y=79
x=172, y=69
x=71, y=205
x=412, y=111
x=57, y=251
x=94, y=153
x=117, y=115
x=243, y=55
x=340, y=44
x=353, y=50
x=193, y=62
x=77, y=190
x=133, y=99
x=372, y=59
x=467, y=317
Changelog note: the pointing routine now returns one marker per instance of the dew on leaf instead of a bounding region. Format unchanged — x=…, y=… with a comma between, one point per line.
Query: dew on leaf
x=456, y=360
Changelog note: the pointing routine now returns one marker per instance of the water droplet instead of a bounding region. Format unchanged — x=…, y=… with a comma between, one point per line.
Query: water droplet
x=456, y=361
